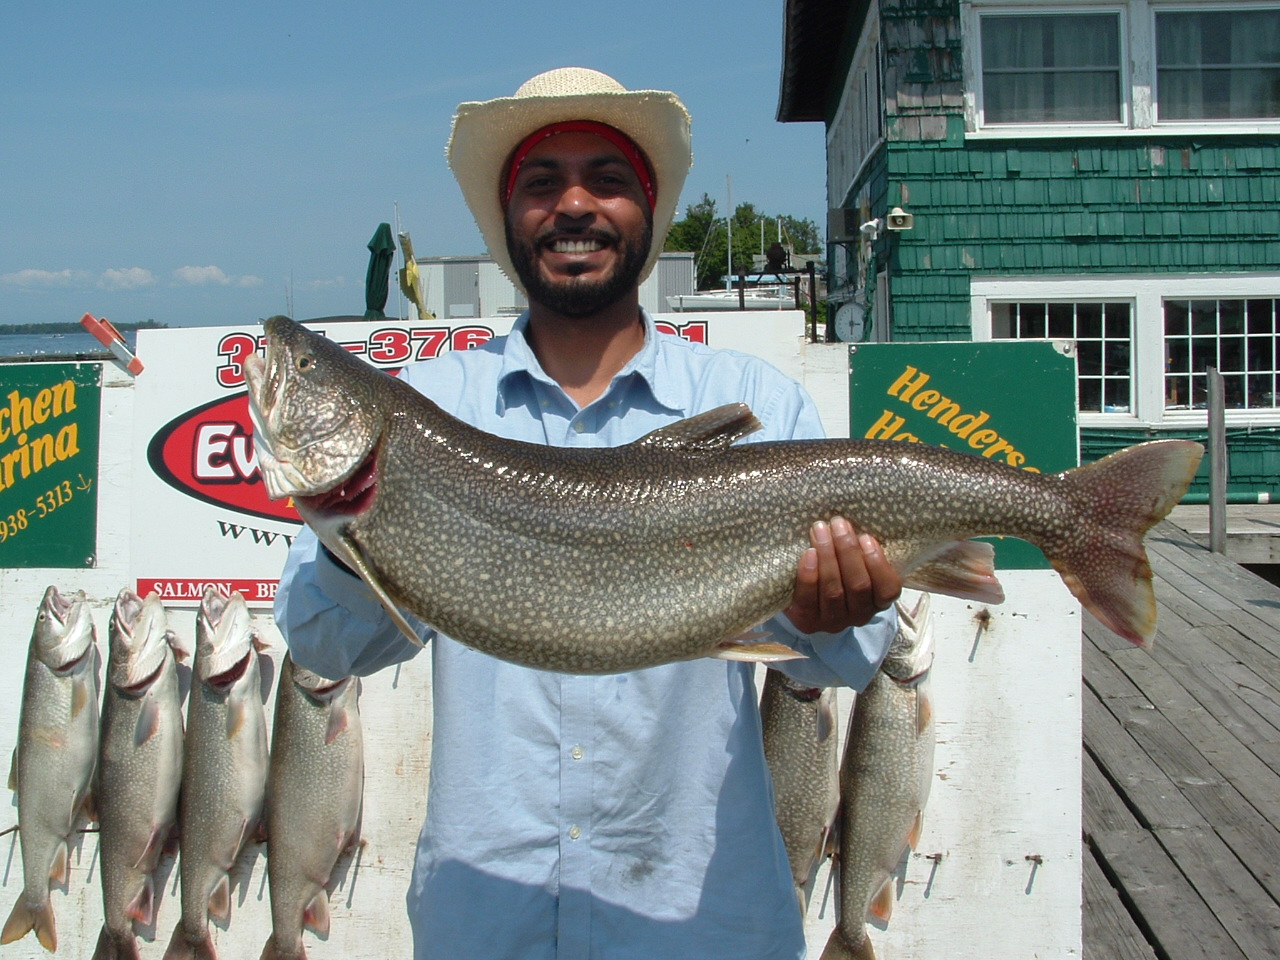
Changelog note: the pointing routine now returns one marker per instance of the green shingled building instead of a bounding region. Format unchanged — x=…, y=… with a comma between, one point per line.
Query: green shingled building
x=1107, y=173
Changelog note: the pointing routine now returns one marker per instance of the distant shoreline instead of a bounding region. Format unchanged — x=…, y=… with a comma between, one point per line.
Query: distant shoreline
x=21, y=329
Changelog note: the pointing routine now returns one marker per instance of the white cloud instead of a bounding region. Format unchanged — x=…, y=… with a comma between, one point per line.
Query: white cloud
x=130, y=278
x=202, y=276
x=249, y=281
x=44, y=278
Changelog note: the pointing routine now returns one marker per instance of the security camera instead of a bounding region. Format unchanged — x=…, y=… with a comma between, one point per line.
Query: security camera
x=899, y=219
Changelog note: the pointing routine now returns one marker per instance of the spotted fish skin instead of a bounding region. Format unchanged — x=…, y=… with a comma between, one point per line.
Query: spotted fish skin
x=314, y=793
x=54, y=760
x=614, y=559
x=800, y=746
x=225, y=768
x=139, y=767
x=885, y=778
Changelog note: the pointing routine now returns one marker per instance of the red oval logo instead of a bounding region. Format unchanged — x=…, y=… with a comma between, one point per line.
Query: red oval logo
x=207, y=453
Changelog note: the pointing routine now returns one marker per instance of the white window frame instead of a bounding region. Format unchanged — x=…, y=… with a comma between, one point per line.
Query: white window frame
x=1147, y=293
x=1137, y=64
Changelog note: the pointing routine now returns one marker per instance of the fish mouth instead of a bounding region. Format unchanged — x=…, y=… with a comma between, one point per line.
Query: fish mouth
x=71, y=666
x=223, y=682
x=351, y=496
x=139, y=687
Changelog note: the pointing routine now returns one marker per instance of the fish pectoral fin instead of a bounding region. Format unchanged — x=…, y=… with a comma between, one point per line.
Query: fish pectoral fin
x=142, y=908
x=958, y=568
x=338, y=722
x=237, y=714
x=148, y=722
x=917, y=828
x=58, y=869
x=151, y=852
x=924, y=711
x=747, y=646
x=13, y=769
x=315, y=917
x=881, y=906
x=349, y=553
x=705, y=433
x=79, y=696
x=220, y=899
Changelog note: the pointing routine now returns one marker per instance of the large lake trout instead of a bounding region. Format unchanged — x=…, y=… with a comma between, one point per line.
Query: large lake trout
x=671, y=547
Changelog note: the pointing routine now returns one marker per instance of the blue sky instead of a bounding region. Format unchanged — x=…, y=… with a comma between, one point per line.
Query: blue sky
x=203, y=163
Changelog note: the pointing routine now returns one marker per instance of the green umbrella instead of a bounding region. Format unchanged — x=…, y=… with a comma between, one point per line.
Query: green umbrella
x=382, y=250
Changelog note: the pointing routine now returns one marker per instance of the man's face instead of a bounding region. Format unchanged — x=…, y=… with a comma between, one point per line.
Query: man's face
x=578, y=224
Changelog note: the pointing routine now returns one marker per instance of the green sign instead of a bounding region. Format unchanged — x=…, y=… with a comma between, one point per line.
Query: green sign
x=1010, y=401
x=49, y=464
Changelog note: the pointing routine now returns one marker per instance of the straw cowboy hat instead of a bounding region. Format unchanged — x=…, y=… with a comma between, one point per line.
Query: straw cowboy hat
x=486, y=133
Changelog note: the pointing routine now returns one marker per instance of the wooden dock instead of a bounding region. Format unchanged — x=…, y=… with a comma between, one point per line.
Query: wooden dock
x=1182, y=768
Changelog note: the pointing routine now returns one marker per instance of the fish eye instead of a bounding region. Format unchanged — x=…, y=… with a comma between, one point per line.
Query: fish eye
x=305, y=362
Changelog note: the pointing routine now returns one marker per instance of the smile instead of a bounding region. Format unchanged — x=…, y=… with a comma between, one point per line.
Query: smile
x=577, y=246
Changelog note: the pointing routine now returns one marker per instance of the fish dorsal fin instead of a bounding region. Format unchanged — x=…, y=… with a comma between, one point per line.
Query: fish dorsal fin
x=705, y=433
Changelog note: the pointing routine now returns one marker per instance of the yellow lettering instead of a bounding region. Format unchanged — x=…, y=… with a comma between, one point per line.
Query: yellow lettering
x=44, y=400
x=19, y=411
x=7, y=463
x=944, y=411
x=883, y=428
x=4, y=431
x=905, y=386
x=926, y=397
x=998, y=447
x=982, y=438
x=64, y=397
x=68, y=442
x=42, y=452
x=965, y=424
x=1016, y=459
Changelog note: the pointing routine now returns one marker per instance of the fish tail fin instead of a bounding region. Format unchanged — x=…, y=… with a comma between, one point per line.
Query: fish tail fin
x=111, y=947
x=273, y=951
x=1122, y=496
x=26, y=917
x=182, y=947
x=841, y=947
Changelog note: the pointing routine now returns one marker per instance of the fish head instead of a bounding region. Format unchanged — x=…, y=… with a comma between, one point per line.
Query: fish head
x=139, y=638
x=225, y=639
x=314, y=411
x=64, y=634
x=911, y=651
x=317, y=688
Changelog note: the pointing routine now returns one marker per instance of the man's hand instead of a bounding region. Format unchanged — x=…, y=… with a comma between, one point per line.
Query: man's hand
x=843, y=580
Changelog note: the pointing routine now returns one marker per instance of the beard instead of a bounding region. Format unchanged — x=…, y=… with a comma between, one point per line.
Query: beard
x=578, y=297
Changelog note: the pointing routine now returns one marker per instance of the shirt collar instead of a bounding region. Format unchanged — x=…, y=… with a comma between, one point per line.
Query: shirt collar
x=519, y=361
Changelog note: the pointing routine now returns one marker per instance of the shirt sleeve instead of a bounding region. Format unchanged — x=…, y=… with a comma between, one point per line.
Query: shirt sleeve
x=849, y=658
x=332, y=622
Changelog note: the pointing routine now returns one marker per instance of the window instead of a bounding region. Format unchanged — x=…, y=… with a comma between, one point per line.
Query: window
x=1143, y=343
x=1103, y=333
x=1238, y=337
x=1060, y=68
x=1128, y=65
x=1221, y=65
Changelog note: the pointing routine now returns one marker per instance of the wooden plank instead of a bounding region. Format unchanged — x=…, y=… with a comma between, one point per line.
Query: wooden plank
x=1240, y=905
x=1110, y=932
x=1173, y=915
x=1202, y=749
x=1144, y=786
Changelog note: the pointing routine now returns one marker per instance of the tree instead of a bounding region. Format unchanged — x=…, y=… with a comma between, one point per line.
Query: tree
x=703, y=233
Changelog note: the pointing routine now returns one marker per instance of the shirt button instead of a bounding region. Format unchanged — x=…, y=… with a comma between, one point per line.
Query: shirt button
x=576, y=752
x=574, y=832
x=579, y=426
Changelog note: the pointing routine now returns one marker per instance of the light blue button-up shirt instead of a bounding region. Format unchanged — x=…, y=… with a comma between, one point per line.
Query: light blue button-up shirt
x=619, y=817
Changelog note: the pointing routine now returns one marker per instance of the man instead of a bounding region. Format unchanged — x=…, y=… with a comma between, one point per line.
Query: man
x=621, y=816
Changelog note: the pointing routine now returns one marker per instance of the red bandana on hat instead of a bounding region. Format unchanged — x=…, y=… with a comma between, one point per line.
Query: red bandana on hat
x=603, y=130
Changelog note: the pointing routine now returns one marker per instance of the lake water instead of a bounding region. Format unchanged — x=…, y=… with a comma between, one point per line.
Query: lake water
x=57, y=346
